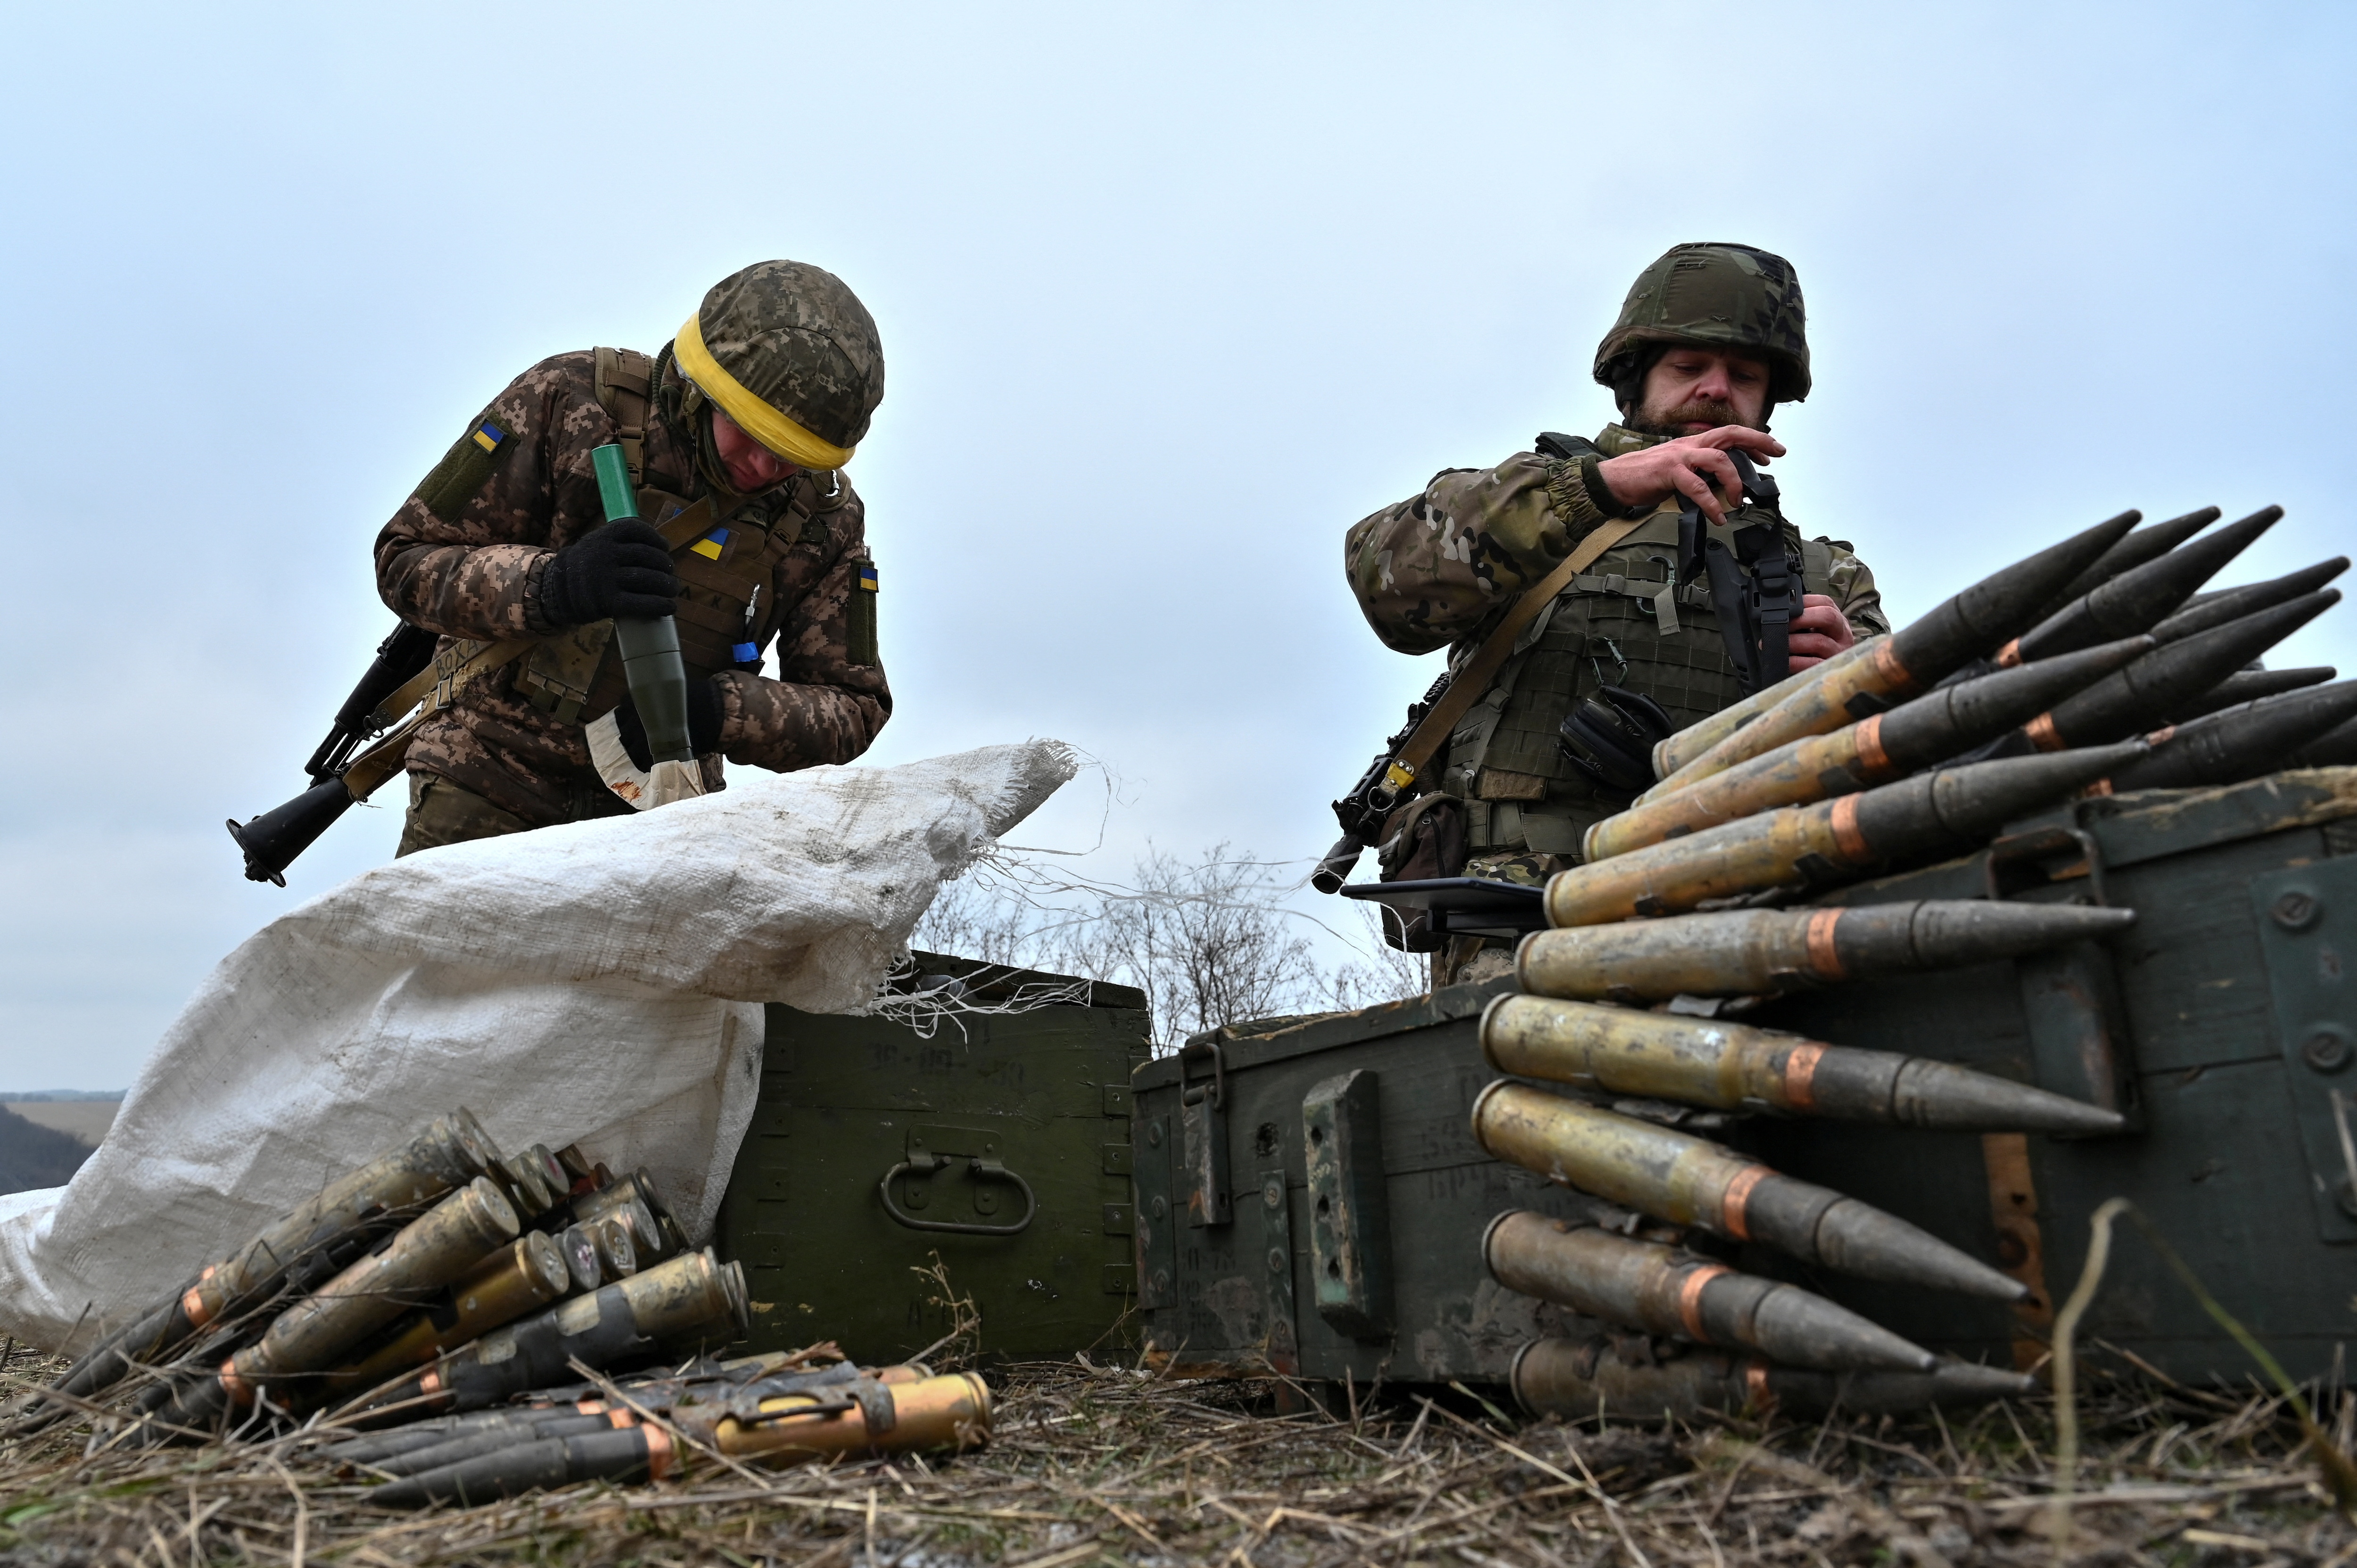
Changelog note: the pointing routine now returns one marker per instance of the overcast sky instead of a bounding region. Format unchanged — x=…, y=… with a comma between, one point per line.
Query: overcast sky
x=1170, y=296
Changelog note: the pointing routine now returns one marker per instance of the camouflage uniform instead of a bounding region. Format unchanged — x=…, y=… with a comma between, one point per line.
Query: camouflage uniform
x=1435, y=570
x=468, y=565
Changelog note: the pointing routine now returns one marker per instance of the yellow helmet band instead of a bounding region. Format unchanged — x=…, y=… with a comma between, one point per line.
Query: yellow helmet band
x=759, y=421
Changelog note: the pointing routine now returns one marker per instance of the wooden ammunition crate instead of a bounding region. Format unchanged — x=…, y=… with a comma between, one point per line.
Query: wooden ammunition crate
x=1001, y=1147
x=2222, y=1021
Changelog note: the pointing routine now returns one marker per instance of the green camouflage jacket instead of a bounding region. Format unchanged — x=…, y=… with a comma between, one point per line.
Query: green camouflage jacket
x=469, y=565
x=1430, y=570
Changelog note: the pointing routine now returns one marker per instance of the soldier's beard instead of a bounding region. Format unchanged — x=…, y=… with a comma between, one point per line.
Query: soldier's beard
x=1710, y=413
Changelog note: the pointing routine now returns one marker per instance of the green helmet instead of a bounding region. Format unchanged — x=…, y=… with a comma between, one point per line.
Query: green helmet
x=1714, y=297
x=792, y=355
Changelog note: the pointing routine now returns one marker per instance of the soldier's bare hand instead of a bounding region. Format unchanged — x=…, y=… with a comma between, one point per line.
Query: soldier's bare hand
x=1817, y=633
x=1692, y=466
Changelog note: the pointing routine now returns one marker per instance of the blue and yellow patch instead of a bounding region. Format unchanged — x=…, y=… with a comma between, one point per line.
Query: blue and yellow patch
x=868, y=578
x=710, y=545
x=488, y=437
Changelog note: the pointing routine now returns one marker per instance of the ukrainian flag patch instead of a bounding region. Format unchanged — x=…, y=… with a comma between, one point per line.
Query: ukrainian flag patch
x=488, y=437
x=709, y=546
x=868, y=578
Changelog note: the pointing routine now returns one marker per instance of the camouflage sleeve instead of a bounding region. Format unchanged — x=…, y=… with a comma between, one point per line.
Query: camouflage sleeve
x=822, y=706
x=1431, y=569
x=1852, y=581
x=464, y=554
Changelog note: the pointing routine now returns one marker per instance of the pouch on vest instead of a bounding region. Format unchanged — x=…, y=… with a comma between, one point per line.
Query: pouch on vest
x=1611, y=737
x=1422, y=839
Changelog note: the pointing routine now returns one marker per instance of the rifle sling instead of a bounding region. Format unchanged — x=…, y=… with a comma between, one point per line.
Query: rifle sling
x=438, y=685
x=1472, y=678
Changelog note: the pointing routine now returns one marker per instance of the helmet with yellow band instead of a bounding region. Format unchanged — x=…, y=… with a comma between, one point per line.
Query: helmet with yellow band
x=788, y=353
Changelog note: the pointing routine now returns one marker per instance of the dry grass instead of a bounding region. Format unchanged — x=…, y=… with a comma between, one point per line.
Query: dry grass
x=1095, y=1463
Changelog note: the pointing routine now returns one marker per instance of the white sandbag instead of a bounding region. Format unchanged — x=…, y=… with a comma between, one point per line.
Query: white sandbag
x=598, y=982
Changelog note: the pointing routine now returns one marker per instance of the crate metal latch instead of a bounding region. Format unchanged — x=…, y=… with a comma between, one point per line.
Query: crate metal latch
x=1204, y=1135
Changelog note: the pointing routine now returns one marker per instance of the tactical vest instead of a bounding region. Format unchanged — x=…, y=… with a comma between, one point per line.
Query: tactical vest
x=727, y=562
x=1624, y=622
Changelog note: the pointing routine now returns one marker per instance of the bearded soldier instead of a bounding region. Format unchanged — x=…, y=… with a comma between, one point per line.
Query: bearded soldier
x=735, y=435
x=1643, y=640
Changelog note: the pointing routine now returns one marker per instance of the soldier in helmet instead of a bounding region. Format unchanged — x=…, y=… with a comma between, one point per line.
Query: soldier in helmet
x=1709, y=341
x=753, y=406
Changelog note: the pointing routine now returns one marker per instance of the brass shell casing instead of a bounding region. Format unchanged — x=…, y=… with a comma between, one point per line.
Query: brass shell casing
x=1647, y=1285
x=1671, y=755
x=1729, y=1066
x=450, y=1152
x=1730, y=952
x=1676, y=1176
x=618, y=1250
x=1658, y=1055
x=1744, y=856
x=435, y=1249
x=1806, y=770
x=1812, y=708
x=684, y=1294
x=950, y=1411
x=1638, y=1284
x=500, y=1289
x=1666, y=1175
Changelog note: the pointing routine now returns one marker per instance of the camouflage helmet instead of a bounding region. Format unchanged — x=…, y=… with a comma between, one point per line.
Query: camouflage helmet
x=1714, y=295
x=788, y=353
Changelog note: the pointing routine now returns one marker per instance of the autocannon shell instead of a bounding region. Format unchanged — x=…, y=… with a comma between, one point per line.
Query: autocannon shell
x=433, y=1250
x=1702, y=1061
x=2206, y=610
x=1749, y=953
x=692, y=1297
x=949, y=1412
x=1647, y=1285
x=2137, y=599
x=1795, y=845
x=2149, y=543
x=1940, y=723
x=2249, y=686
x=627, y=1453
x=510, y=1283
x=1926, y=651
x=2227, y=748
x=370, y=1200
x=1685, y=1180
x=1573, y=1380
x=2149, y=691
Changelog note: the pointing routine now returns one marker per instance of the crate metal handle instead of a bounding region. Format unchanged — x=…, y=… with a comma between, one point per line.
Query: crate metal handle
x=926, y=1165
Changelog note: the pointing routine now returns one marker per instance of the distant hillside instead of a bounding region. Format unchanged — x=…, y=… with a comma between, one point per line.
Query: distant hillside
x=33, y=1157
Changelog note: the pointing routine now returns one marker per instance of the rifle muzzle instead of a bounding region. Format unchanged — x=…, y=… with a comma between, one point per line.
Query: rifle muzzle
x=273, y=840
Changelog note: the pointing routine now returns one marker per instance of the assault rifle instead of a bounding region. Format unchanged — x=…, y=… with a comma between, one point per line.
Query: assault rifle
x=273, y=840
x=1363, y=810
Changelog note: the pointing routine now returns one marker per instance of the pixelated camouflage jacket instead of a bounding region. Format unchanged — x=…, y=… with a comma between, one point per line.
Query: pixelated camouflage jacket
x=473, y=570
x=1431, y=569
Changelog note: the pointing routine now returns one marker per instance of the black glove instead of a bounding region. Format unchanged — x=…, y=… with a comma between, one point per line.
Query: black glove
x=623, y=569
x=703, y=724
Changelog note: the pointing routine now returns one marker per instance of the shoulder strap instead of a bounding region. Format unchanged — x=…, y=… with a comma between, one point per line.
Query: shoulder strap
x=626, y=383
x=1565, y=448
x=1472, y=678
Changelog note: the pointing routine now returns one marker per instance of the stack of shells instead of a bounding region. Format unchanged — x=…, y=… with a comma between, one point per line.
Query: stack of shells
x=442, y=1279
x=2089, y=668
